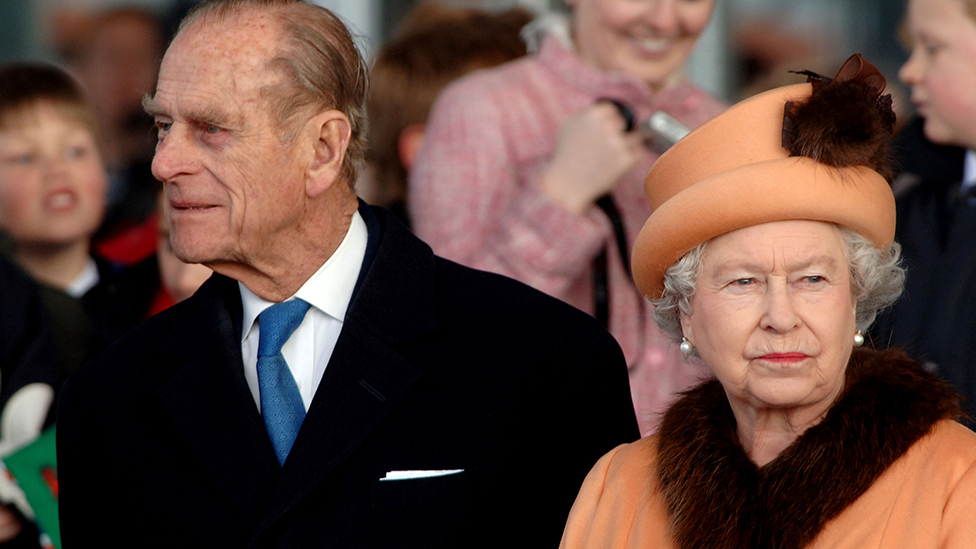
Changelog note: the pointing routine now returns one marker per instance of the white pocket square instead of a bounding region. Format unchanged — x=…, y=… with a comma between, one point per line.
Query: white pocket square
x=405, y=475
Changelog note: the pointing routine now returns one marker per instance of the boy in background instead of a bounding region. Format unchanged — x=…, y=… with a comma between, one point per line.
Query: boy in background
x=53, y=187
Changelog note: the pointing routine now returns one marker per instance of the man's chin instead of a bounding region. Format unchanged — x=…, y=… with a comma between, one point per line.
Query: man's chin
x=190, y=254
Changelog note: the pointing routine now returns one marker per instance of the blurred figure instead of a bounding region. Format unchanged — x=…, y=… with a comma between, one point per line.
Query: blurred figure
x=52, y=200
x=30, y=380
x=116, y=63
x=178, y=280
x=435, y=46
x=771, y=38
x=516, y=159
x=937, y=208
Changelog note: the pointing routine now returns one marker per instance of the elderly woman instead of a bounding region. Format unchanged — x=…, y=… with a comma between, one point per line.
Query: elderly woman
x=768, y=253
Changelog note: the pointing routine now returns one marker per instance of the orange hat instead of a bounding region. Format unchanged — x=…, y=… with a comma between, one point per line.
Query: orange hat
x=735, y=170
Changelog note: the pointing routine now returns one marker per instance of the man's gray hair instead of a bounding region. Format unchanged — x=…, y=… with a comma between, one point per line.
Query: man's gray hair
x=877, y=279
x=319, y=59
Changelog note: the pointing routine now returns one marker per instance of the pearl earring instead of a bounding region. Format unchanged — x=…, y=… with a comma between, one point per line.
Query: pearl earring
x=858, y=338
x=686, y=347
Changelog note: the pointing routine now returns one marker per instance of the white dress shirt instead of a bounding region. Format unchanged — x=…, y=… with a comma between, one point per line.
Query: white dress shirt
x=310, y=347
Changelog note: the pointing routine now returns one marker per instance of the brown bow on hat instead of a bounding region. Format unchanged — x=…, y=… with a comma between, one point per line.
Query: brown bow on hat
x=817, y=151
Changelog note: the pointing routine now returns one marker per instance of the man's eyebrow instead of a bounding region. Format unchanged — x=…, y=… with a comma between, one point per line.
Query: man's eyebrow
x=208, y=114
x=212, y=113
x=151, y=107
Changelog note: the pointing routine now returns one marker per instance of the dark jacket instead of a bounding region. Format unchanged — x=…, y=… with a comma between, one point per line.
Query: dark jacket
x=26, y=355
x=935, y=319
x=86, y=326
x=25, y=335
x=437, y=367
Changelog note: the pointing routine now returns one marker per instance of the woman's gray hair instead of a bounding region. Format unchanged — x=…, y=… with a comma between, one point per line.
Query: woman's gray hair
x=877, y=279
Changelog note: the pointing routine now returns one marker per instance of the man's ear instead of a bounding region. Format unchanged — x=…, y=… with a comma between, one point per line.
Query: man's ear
x=330, y=133
x=408, y=146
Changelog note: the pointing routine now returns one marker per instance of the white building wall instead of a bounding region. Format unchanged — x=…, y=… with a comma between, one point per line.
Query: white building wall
x=363, y=19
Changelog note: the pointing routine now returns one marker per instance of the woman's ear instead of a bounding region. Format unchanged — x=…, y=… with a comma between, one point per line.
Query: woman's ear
x=330, y=134
x=686, y=330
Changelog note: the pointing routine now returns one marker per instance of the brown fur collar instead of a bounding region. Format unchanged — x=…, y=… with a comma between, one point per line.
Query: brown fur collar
x=719, y=499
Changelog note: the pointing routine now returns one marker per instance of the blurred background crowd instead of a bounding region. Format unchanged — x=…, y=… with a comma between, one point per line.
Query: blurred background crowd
x=745, y=45
x=113, y=48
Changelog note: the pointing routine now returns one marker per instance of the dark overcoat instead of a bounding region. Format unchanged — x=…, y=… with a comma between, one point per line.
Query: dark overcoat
x=437, y=367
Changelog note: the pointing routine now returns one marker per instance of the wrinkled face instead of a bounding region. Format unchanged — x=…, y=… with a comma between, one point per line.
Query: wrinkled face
x=942, y=69
x=232, y=187
x=773, y=315
x=650, y=39
x=52, y=180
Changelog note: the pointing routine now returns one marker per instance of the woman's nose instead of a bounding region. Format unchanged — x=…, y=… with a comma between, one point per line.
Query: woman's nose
x=662, y=16
x=780, y=314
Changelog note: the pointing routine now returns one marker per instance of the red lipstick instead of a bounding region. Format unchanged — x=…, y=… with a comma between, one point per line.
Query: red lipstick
x=784, y=358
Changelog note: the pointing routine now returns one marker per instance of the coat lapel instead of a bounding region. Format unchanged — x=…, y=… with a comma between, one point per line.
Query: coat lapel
x=364, y=383
x=207, y=397
x=367, y=377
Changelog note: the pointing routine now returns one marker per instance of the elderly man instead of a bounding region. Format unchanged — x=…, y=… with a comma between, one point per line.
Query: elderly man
x=335, y=384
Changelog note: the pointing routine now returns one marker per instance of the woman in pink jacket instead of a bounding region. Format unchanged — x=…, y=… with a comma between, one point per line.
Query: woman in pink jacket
x=517, y=158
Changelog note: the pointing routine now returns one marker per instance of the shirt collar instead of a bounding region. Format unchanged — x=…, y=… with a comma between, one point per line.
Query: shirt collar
x=330, y=288
x=86, y=280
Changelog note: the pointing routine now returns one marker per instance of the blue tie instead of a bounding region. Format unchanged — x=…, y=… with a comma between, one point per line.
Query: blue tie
x=281, y=403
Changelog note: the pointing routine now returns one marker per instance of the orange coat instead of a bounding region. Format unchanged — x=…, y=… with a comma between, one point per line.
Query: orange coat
x=887, y=467
x=926, y=498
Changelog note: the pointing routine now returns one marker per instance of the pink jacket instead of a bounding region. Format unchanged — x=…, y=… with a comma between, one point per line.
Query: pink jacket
x=475, y=197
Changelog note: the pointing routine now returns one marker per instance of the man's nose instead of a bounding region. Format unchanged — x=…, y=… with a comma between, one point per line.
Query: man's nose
x=173, y=155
